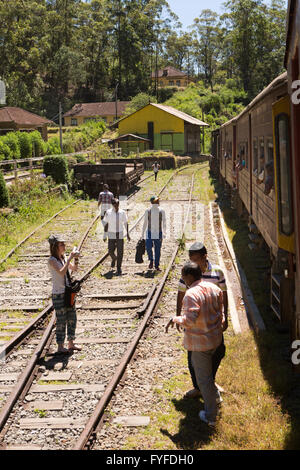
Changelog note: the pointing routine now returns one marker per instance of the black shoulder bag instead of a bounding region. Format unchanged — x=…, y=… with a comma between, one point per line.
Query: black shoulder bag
x=71, y=290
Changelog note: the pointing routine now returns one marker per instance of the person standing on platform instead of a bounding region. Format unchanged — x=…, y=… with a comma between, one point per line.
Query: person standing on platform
x=115, y=223
x=155, y=167
x=104, y=199
x=210, y=273
x=155, y=228
x=202, y=320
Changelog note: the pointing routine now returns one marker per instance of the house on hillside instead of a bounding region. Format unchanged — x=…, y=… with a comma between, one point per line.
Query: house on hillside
x=169, y=76
x=164, y=127
x=83, y=112
x=17, y=119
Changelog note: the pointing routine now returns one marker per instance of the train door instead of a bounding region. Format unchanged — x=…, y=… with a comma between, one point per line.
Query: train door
x=282, y=270
x=295, y=75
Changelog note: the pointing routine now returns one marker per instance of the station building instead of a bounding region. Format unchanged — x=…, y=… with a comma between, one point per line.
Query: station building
x=164, y=128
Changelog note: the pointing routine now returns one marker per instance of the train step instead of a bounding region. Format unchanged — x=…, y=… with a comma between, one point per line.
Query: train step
x=254, y=237
x=253, y=228
x=276, y=294
x=252, y=246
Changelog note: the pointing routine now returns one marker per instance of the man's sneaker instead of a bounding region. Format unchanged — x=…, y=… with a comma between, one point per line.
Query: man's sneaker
x=202, y=416
x=194, y=393
x=157, y=268
x=219, y=400
x=119, y=272
x=151, y=265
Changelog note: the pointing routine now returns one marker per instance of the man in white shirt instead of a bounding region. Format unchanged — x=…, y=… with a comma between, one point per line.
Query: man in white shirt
x=115, y=221
x=104, y=199
x=155, y=228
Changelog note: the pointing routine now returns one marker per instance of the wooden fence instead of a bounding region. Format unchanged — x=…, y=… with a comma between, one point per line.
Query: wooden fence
x=20, y=168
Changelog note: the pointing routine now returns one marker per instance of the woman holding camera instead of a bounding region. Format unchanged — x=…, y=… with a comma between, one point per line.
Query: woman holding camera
x=59, y=265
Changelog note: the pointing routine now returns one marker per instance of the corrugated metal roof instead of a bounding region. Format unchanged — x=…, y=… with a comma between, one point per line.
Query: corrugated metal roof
x=180, y=114
x=21, y=117
x=106, y=108
x=168, y=109
x=135, y=137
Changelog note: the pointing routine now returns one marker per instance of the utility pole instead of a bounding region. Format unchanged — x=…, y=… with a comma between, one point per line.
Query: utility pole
x=60, y=127
x=116, y=99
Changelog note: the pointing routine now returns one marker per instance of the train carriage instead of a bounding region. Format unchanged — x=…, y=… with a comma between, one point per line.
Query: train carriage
x=255, y=162
x=228, y=152
x=292, y=64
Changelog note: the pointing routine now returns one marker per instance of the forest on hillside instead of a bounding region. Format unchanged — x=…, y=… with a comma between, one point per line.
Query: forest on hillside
x=79, y=51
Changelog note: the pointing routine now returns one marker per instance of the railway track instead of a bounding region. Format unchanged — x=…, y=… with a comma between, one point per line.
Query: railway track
x=109, y=315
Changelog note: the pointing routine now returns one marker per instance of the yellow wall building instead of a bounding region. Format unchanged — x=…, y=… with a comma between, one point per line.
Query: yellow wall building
x=169, y=76
x=165, y=127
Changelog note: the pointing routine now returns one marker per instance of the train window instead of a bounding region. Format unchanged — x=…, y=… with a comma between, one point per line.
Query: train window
x=283, y=174
x=255, y=156
x=261, y=154
x=244, y=154
x=269, y=155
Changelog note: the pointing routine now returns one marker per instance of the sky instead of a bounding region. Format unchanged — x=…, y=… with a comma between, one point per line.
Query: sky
x=187, y=10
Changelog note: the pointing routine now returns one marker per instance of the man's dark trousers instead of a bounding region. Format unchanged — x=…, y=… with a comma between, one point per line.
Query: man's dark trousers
x=216, y=359
x=118, y=243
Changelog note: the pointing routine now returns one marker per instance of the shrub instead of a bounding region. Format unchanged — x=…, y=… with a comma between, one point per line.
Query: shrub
x=53, y=146
x=57, y=168
x=37, y=143
x=4, y=197
x=25, y=144
x=11, y=139
x=5, y=152
x=80, y=158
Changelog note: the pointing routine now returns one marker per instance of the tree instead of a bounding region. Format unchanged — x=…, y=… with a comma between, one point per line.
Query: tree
x=256, y=31
x=206, y=32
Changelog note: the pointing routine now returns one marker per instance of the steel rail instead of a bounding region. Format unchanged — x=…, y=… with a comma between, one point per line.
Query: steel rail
x=35, y=230
x=94, y=420
x=18, y=338
x=27, y=375
x=8, y=347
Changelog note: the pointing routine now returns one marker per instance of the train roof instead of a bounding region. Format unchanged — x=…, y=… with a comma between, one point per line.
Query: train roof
x=271, y=87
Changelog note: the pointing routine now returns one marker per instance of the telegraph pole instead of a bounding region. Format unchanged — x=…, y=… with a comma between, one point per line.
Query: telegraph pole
x=116, y=99
x=60, y=127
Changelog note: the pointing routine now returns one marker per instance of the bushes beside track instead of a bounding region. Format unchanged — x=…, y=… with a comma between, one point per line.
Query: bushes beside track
x=16, y=145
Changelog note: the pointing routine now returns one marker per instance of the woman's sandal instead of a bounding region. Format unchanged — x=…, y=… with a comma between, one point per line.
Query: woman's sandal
x=74, y=348
x=63, y=351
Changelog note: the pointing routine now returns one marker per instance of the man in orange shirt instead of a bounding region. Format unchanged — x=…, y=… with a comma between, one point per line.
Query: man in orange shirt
x=202, y=319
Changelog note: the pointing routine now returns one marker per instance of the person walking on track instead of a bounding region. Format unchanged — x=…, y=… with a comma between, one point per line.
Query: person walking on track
x=202, y=320
x=155, y=228
x=155, y=167
x=115, y=222
x=210, y=273
x=104, y=199
x=59, y=265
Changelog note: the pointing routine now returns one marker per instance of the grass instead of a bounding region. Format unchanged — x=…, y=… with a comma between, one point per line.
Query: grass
x=18, y=225
x=252, y=416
